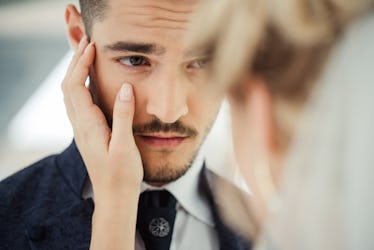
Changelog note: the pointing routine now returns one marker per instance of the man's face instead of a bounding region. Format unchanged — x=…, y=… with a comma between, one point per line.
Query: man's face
x=141, y=42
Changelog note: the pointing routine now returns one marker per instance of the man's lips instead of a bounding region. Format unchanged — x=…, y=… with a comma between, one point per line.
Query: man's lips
x=162, y=140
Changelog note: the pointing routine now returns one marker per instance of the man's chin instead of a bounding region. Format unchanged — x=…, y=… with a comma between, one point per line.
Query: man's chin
x=161, y=175
x=166, y=168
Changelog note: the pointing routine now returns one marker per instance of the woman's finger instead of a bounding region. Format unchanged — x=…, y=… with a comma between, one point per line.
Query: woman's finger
x=123, y=115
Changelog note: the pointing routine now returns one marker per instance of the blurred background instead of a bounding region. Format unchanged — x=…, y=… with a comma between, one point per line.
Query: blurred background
x=34, y=55
x=32, y=44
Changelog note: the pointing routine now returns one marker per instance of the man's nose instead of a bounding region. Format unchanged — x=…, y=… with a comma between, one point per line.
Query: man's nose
x=168, y=99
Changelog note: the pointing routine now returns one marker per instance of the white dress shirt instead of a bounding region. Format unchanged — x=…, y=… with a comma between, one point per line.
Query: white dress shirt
x=194, y=226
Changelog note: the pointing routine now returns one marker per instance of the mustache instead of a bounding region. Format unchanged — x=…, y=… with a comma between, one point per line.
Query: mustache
x=156, y=125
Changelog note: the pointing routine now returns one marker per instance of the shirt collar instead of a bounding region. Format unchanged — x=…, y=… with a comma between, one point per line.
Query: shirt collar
x=188, y=192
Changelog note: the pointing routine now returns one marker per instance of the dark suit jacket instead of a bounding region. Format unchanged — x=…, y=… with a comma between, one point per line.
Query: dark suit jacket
x=41, y=207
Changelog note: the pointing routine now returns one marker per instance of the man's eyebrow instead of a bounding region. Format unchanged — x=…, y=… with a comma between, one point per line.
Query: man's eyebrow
x=144, y=48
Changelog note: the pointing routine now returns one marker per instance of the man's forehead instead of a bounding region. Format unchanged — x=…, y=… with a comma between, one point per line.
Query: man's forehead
x=172, y=5
x=133, y=25
x=172, y=14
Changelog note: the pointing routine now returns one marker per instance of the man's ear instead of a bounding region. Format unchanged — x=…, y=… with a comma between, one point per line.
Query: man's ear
x=75, y=25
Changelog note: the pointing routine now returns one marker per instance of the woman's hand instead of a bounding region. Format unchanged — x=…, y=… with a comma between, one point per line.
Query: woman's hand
x=111, y=157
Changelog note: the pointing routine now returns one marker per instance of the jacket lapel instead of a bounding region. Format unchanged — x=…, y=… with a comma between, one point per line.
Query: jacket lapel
x=69, y=229
x=65, y=223
x=228, y=238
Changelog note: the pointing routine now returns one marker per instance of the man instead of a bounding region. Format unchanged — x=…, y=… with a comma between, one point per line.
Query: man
x=150, y=110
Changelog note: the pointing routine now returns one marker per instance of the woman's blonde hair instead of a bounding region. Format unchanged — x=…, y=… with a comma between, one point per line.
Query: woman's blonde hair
x=285, y=42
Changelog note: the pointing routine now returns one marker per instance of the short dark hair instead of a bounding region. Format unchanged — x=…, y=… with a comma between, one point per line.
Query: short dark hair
x=91, y=11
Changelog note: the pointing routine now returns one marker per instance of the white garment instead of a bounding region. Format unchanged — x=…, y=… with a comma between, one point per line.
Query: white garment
x=194, y=226
x=328, y=185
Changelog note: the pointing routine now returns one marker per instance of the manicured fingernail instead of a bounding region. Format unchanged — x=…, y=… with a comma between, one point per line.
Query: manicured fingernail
x=82, y=42
x=125, y=94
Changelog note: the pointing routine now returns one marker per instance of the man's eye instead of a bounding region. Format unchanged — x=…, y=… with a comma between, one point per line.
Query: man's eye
x=198, y=63
x=134, y=61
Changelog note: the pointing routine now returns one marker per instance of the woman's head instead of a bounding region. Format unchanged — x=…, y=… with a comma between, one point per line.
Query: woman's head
x=269, y=56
